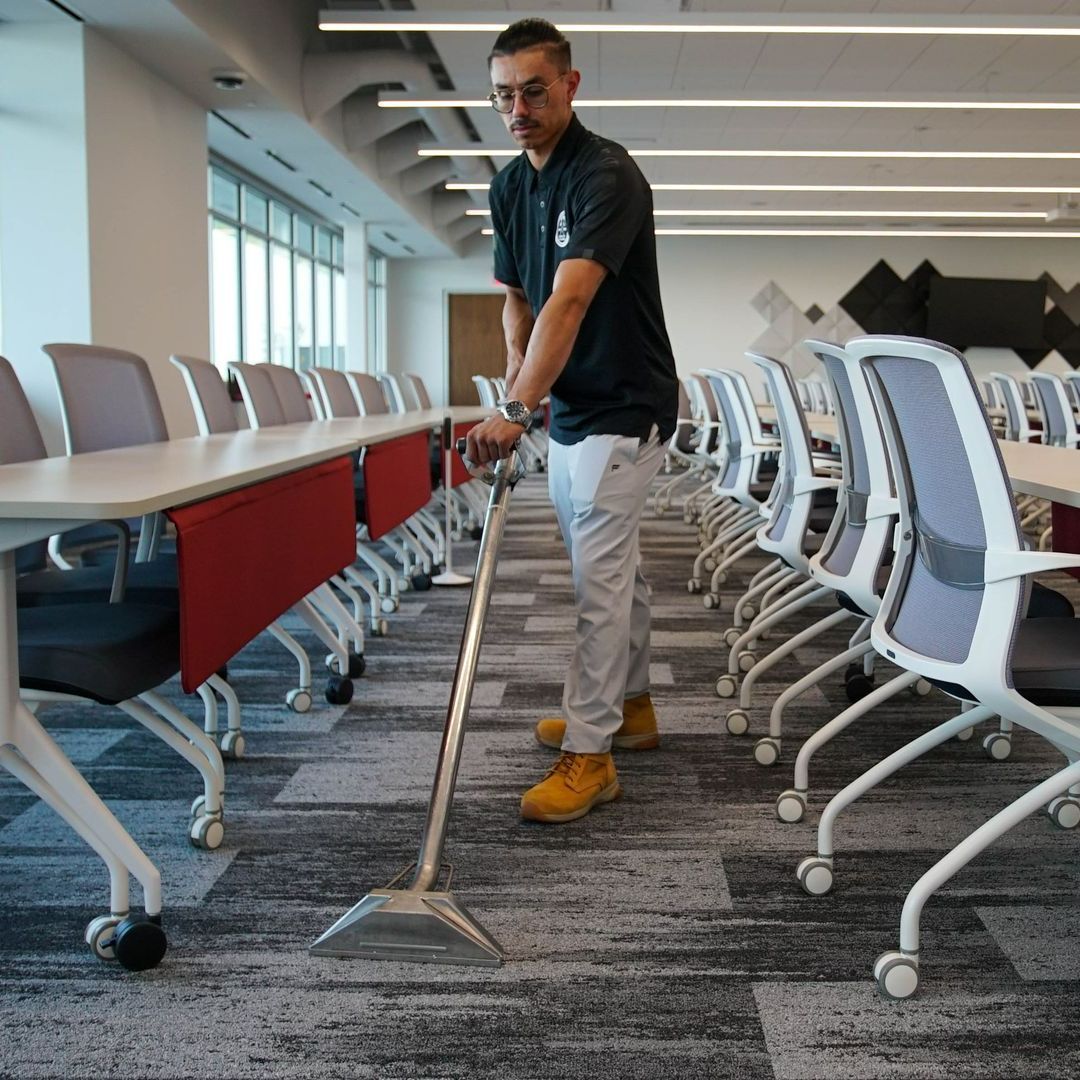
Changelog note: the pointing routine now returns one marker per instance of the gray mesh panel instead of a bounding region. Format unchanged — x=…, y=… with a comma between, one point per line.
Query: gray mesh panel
x=286, y=383
x=935, y=619
x=841, y=556
x=1051, y=405
x=213, y=395
x=1010, y=408
x=854, y=447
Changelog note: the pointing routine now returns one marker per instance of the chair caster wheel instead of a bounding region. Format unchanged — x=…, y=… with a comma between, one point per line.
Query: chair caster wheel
x=997, y=745
x=299, y=700
x=339, y=691
x=748, y=611
x=404, y=584
x=726, y=686
x=731, y=635
x=100, y=935
x=388, y=605
x=897, y=975
x=381, y=627
x=721, y=577
x=659, y=511
x=710, y=565
x=815, y=875
x=688, y=518
x=357, y=665
x=693, y=586
x=858, y=686
x=965, y=735
x=476, y=532
x=791, y=806
x=140, y=943
x=747, y=660
x=232, y=745
x=920, y=688
x=1064, y=812
x=767, y=751
x=737, y=722
x=711, y=601
x=206, y=832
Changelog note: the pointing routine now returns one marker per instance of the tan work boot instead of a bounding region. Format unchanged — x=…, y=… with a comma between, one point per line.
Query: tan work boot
x=638, y=731
x=572, y=787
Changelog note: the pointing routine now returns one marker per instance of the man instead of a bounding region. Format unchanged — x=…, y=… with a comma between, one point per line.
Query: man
x=575, y=250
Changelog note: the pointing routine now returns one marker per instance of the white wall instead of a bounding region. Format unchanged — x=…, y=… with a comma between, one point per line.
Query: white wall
x=149, y=267
x=707, y=286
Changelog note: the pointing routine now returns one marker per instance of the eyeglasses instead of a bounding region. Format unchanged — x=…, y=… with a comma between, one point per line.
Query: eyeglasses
x=534, y=95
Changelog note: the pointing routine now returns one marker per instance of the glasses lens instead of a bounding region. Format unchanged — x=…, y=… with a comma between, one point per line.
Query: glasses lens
x=535, y=96
x=502, y=101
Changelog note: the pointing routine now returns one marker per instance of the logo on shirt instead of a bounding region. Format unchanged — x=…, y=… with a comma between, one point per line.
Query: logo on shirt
x=562, y=231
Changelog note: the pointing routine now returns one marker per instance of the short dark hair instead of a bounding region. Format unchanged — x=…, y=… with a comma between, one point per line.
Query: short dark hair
x=528, y=34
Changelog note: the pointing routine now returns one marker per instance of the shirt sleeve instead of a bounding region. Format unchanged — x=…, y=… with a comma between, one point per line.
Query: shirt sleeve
x=505, y=270
x=610, y=205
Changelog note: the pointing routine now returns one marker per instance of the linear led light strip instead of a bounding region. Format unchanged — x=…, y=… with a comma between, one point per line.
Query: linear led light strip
x=892, y=189
x=1010, y=234
x=360, y=22
x=928, y=155
x=1037, y=214
x=745, y=103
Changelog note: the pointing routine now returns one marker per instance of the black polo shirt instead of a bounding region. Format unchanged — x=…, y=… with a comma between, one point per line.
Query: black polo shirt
x=590, y=201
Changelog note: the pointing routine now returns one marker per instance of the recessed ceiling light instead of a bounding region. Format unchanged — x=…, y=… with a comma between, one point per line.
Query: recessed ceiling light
x=393, y=99
x=963, y=234
x=697, y=23
x=918, y=155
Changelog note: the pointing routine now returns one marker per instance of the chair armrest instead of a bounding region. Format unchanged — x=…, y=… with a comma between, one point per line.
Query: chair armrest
x=814, y=483
x=1001, y=565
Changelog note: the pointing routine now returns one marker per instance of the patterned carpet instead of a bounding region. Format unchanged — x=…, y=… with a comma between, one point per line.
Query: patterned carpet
x=662, y=936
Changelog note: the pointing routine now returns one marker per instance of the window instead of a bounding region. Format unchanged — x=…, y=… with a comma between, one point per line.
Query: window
x=277, y=280
x=376, y=310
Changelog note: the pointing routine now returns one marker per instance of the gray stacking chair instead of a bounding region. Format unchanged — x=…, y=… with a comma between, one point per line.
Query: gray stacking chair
x=681, y=455
x=395, y=395
x=1072, y=381
x=368, y=394
x=261, y=401
x=1017, y=426
x=335, y=392
x=290, y=392
x=1059, y=422
x=419, y=389
x=953, y=610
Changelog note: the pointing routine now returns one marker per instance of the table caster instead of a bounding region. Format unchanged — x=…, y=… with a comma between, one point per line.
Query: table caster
x=737, y=722
x=790, y=806
x=299, y=700
x=767, y=751
x=815, y=875
x=897, y=975
x=339, y=691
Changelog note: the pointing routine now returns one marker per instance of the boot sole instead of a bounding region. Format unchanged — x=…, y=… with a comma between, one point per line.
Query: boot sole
x=612, y=792
x=649, y=741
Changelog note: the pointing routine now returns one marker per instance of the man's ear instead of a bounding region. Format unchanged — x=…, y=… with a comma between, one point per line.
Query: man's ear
x=573, y=81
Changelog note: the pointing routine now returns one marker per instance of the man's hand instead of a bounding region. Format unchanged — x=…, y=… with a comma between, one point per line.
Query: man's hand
x=492, y=440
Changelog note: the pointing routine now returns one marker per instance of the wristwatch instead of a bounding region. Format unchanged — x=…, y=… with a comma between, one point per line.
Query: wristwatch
x=517, y=412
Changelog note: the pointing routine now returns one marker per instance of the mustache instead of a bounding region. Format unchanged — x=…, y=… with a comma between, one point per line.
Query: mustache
x=521, y=125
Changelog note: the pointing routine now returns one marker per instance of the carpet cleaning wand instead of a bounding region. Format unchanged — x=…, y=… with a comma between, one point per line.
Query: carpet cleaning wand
x=423, y=922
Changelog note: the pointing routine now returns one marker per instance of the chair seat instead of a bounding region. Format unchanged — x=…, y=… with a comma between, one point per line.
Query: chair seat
x=153, y=583
x=106, y=652
x=1046, y=661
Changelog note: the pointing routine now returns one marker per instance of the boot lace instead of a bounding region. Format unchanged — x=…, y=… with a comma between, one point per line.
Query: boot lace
x=568, y=765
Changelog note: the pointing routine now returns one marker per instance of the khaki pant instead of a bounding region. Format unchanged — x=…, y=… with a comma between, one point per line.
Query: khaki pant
x=599, y=487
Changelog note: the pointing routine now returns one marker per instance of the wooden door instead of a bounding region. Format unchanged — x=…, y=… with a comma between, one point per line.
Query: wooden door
x=477, y=345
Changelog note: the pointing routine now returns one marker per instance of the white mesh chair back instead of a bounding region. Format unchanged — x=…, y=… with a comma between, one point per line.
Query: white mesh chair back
x=746, y=395
x=314, y=395
x=991, y=394
x=20, y=437
x=1059, y=424
x=208, y=393
x=290, y=391
x=785, y=532
x=736, y=441
x=830, y=401
x=1072, y=381
x=1017, y=427
x=682, y=441
x=485, y=389
x=803, y=387
x=107, y=398
x=1027, y=393
x=419, y=390
x=939, y=616
x=500, y=386
x=336, y=392
x=860, y=538
x=816, y=390
x=702, y=394
x=395, y=396
x=261, y=403
x=368, y=393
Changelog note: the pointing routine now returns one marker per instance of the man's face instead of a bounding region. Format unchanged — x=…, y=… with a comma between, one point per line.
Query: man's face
x=535, y=128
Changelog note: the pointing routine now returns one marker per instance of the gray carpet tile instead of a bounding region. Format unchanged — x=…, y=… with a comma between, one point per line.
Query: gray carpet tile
x=664, y=935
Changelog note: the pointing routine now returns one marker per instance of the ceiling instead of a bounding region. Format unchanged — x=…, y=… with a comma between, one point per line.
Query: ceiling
x=312, y=98
x=715, y=65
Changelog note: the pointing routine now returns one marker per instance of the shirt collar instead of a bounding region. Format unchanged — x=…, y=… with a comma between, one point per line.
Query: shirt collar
x=564, y=151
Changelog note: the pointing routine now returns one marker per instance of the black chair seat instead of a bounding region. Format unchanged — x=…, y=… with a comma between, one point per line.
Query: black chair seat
x=1046, y=661
x=106, y=652
x=153, y=583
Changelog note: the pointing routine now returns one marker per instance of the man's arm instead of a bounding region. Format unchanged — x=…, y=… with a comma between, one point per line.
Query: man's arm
x=550, y=342
x=517, y=320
